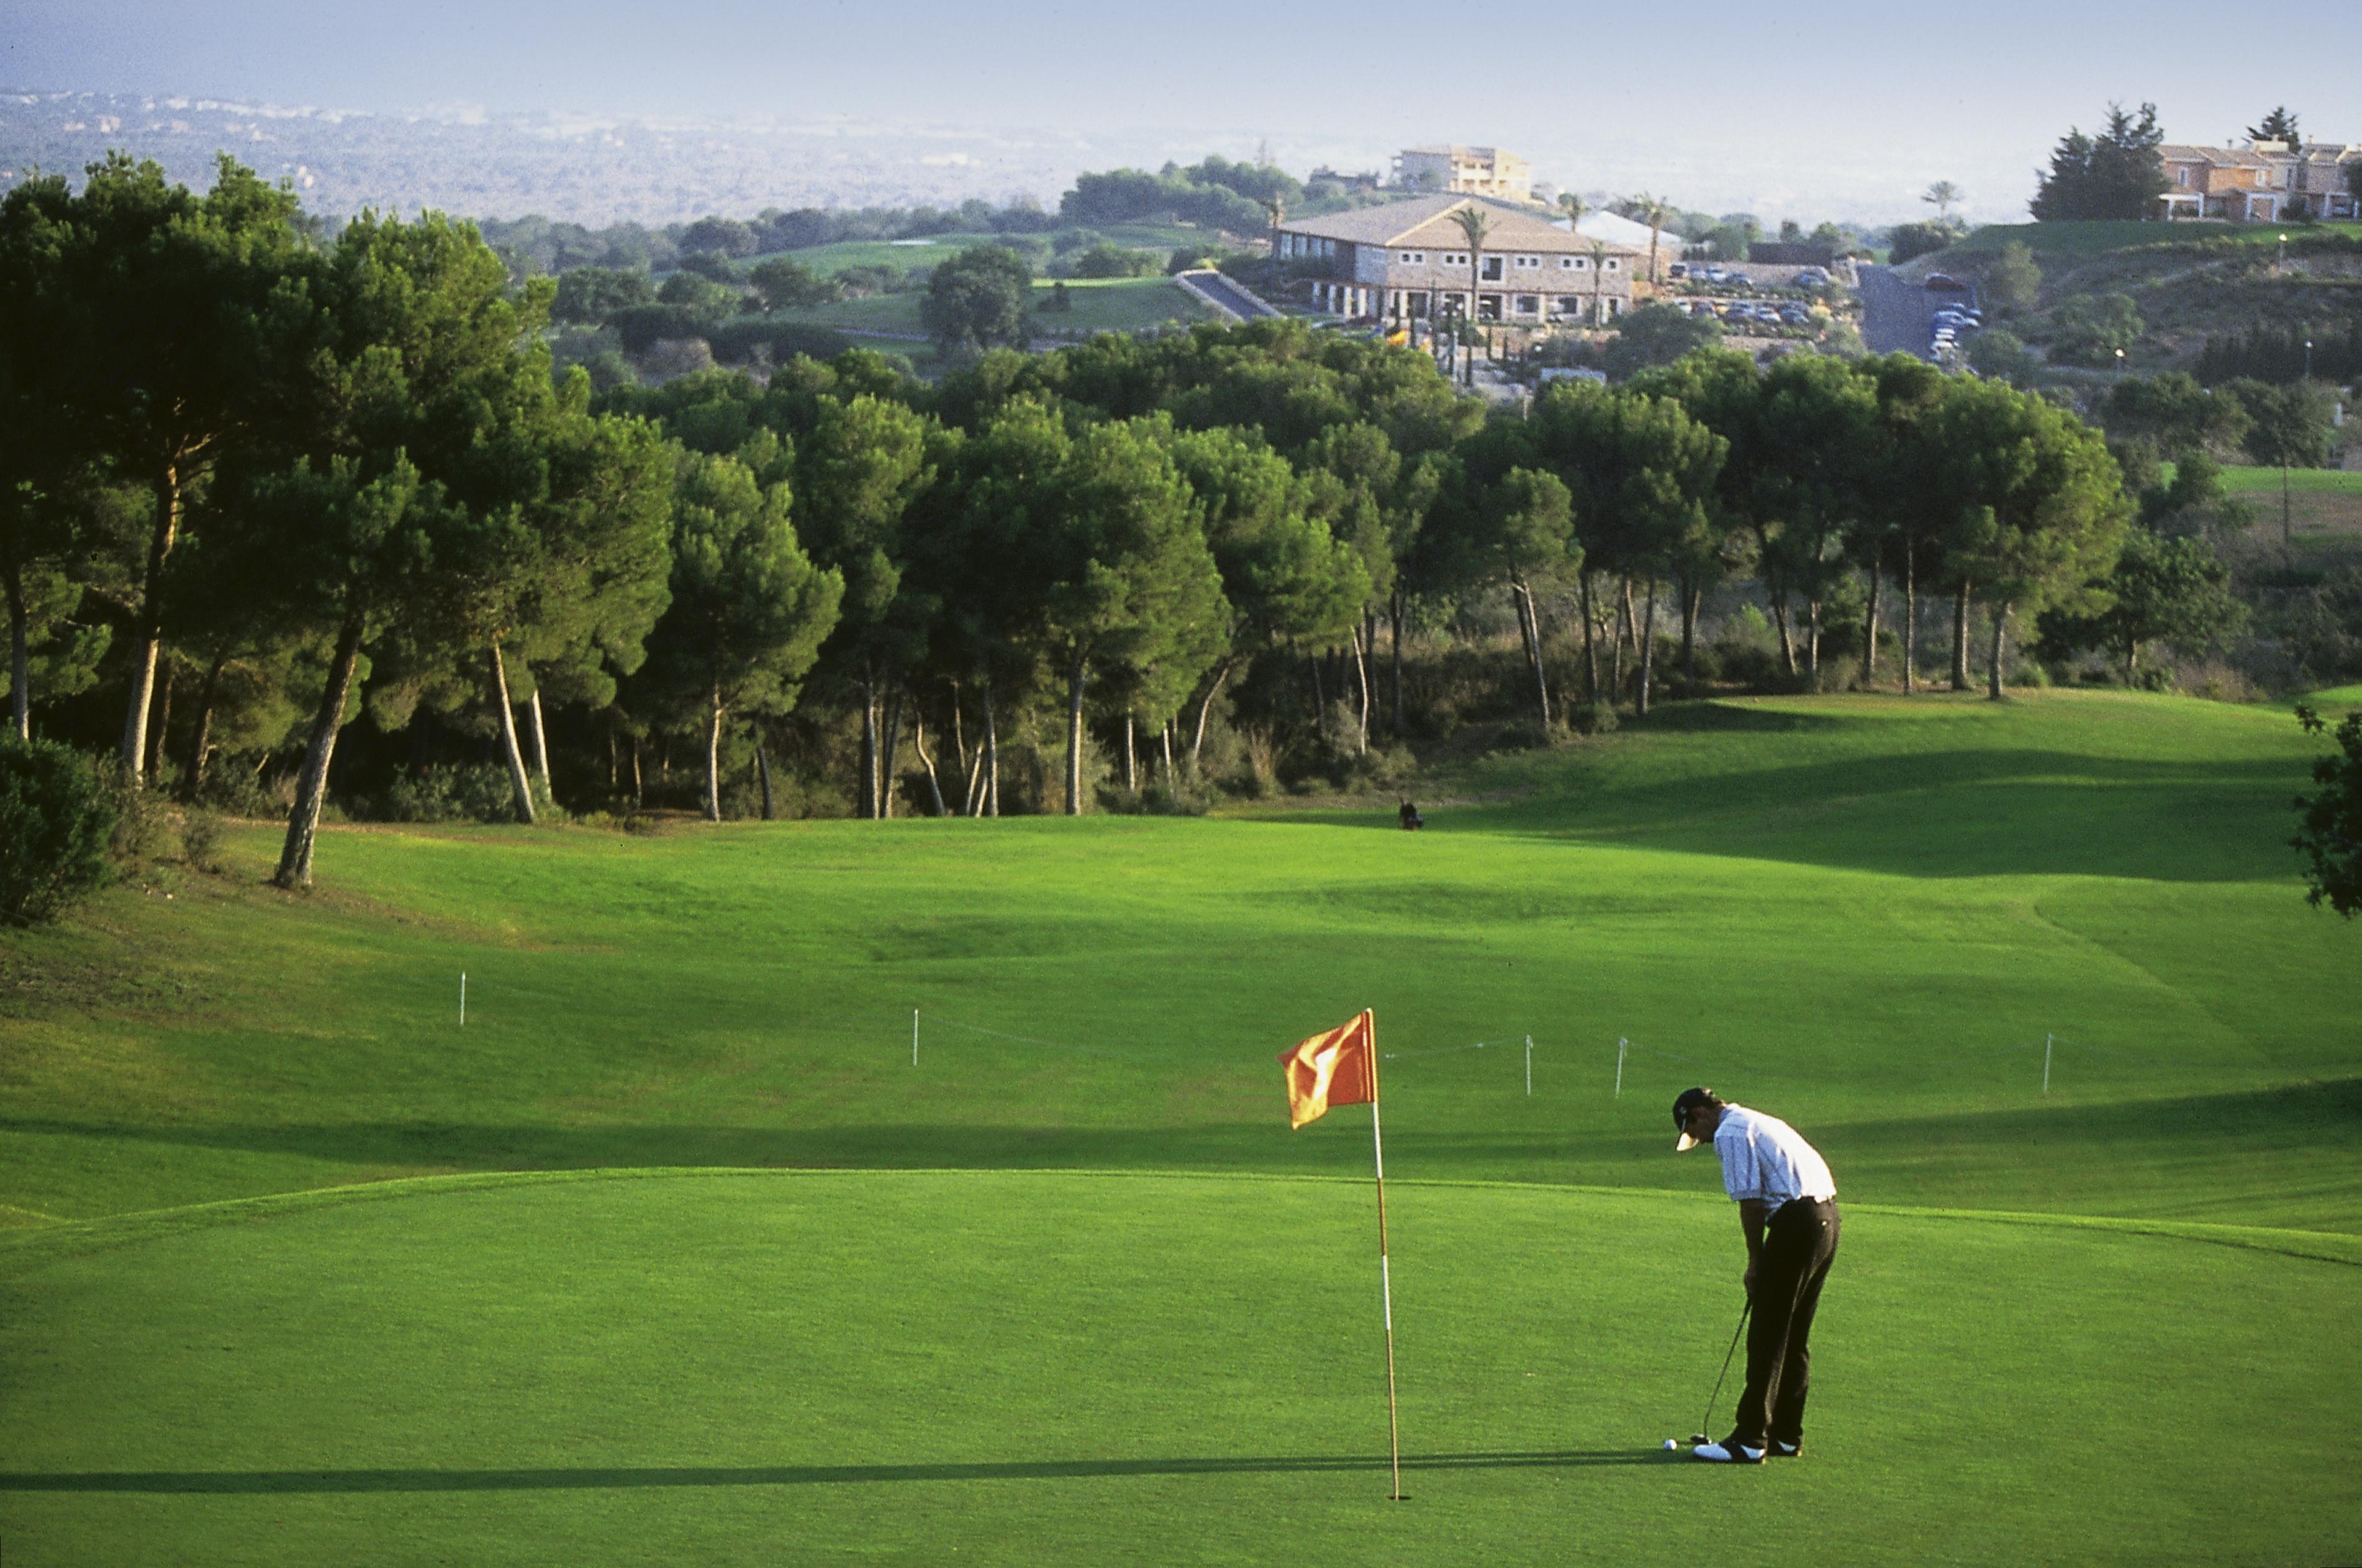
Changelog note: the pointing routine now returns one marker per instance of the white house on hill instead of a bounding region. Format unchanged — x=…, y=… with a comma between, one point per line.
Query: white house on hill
x=1411, y=259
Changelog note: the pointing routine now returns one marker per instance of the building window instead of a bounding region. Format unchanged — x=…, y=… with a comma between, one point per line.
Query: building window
x=1530, y=304
x=1529, y=261
x=1488, y=307
x=1611, y=265
x=1492, y=269
x=1414, y=259
x=1579, y=263
x=1455, y=258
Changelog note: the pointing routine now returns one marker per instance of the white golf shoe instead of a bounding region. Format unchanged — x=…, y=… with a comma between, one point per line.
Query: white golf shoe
x=1728, y=1452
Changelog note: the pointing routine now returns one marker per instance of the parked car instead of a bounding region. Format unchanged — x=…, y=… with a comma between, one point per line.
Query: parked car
x=1797, y=315
x=1678, y=270
x=1945, y=283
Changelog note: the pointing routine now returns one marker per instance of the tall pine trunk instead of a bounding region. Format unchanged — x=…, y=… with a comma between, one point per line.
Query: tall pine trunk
x=1787, y=639
x=990, y=800
x=868, y=748
x=1131, y=758
x=20, y=666
x=1590, y=645
x=1813, y=642
x=1869, y=634
x=1362, y=684
x=763, y=774
x=713, y=757
x=1075, y=672
x=193, y=778
x=639, y=782
x=510, y=753
x=890, y=750
x=1961, y=637
x=540, y=735
x=146, y=620
x=1172, y=785
x=919, y=747
x=1910, y=619
x=163, y=733
x=1198, y=735
x=2000, y=632
x=311, y=783
x=1692, y=595
x=1394, y=625
x=1647, y=648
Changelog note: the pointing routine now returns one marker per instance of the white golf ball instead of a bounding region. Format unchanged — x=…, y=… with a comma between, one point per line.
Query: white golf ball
x=1671, y=1444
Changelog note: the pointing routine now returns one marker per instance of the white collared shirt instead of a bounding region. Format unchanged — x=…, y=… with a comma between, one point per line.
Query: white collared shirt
x=1765, y=1158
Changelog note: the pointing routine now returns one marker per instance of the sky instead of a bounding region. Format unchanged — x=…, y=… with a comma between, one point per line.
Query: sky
x=1774, y=108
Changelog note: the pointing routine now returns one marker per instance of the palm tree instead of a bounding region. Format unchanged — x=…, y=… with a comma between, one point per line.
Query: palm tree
x=1476, y=222
x=1599, y=278
x=1941, y=195
x=1651, y=209
x=1574, y=208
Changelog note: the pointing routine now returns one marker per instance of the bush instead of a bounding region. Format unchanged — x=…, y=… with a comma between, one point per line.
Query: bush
x=479, y=792
x=1918, y=239
x=1592, y=717
x=738, y=342
x=201, y=839
x=142, y=824
x=55, y=824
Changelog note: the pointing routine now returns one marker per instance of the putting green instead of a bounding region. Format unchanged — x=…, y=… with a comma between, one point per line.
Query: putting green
x=1029, y=1367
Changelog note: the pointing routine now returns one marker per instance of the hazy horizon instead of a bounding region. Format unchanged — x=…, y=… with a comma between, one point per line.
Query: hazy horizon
x=1799, y=116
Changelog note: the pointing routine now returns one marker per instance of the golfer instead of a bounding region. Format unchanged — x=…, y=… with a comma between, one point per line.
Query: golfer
x=1788, y=1208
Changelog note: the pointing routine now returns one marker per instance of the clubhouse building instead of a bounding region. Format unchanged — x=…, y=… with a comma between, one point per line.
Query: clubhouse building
x=1409, y=260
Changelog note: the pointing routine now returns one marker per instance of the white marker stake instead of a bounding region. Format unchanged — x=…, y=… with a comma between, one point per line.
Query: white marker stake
x=915, y=1036
x=463, y=999
x=1530, y=1066
x=1620, y=1044
x=2046, y=1062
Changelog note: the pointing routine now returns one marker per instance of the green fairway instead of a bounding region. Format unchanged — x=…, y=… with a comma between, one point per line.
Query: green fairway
x=1031, y=1368
x=1098, y=304
x=1882, y=918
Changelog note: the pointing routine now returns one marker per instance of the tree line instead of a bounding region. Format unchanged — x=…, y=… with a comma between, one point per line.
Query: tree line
x=279, y=485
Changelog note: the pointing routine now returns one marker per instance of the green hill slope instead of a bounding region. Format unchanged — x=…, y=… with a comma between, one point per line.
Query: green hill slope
x=1866, y=915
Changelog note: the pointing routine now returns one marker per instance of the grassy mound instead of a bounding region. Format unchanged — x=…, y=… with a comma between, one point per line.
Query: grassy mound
x=925, y=1367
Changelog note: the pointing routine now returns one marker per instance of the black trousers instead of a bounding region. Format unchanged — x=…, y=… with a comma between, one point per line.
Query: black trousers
x=1799, y=1242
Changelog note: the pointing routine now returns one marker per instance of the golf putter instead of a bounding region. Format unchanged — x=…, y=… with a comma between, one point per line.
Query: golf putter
x=1707, y=1424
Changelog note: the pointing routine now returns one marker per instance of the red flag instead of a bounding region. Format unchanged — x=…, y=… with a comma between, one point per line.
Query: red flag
x=1339, y=1067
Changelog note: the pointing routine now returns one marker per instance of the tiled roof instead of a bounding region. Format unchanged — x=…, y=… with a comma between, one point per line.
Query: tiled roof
x=2220, y=156
x=1427, y=221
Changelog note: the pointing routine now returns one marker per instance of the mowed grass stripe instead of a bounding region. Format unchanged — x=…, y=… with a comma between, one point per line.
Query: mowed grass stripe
x=1052, y=1367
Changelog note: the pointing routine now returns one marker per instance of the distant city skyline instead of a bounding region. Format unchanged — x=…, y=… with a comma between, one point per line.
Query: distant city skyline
x=1803, y=117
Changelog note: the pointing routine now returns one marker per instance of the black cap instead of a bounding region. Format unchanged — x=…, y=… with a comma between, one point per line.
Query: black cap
x=1687, y=1100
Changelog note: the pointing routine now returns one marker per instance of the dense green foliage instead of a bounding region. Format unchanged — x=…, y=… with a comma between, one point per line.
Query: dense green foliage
x=2116, y=175
x=55, y=822
x=2331, y=834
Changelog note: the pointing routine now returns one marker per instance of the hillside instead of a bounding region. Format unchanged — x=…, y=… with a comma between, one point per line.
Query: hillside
x=2188, y=280
x=1875, y=907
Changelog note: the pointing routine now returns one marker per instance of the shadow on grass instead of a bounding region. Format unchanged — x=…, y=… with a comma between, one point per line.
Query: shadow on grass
x=232, y=1482
x=1968, y=811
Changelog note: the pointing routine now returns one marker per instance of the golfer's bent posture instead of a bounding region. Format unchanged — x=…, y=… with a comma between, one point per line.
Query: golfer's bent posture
x=1788, y=1207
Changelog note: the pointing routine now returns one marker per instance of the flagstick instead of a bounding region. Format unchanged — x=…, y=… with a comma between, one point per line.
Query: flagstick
x=1385, y=1275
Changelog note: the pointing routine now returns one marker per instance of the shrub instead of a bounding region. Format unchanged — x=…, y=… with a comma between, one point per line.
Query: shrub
x=479, y=792
x=142, y=819
x=201, y=839
x=1592, y=717
x=55, y=823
